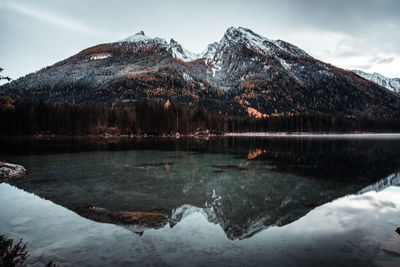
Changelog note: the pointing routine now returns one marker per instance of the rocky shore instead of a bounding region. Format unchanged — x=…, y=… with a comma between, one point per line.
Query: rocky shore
x=10, y=171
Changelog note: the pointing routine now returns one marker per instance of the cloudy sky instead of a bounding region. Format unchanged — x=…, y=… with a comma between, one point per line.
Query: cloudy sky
x=352, y=34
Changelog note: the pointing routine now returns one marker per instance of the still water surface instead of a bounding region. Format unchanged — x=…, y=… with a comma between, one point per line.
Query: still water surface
x=227, y=201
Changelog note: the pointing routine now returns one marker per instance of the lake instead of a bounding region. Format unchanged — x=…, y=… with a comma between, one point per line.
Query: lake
x=218, y=201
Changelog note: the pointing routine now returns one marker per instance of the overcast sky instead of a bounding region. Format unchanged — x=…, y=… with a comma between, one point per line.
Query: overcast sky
x=352, y=34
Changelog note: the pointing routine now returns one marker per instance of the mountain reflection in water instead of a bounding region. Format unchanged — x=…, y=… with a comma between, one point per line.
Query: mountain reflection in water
x=242, y=184
x=356, y=230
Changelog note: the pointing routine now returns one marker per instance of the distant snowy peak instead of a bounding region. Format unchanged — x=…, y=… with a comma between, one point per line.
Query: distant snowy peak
x=252, y=40
x=391, y=84
x=140, y=37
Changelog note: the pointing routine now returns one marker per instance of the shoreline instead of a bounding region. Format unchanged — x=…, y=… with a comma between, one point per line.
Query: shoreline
x=316, y=135
x=229, y=134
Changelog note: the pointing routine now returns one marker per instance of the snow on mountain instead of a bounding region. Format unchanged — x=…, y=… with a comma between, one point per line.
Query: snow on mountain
x=141, y=38
x=391, y=180
x=100, y=56
x=254, y=73
x=176, y=49
x=181, y=53
x=391, y=84
x=233, y=36
x=289, y=48
x=242, y=54
x=209, y=52
x=257, y=42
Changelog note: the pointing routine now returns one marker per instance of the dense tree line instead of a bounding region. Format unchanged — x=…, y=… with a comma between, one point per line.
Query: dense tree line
x=31, y=118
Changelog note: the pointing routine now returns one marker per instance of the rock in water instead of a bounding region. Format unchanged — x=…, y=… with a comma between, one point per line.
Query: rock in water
x=142, y=218
x=9, y=171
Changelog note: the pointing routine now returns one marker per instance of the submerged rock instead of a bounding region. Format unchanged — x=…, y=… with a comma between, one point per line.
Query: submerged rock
x=9, y=171
x=142, y=218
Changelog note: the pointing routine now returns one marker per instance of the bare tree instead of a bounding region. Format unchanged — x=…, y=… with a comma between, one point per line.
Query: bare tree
x=6, y=102
x=4, y=77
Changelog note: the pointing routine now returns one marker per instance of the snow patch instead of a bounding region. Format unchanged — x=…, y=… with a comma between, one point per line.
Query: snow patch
x=326, y=73
x=285, y=64
x=100, y=56
x=187, y=77
x=214, y=69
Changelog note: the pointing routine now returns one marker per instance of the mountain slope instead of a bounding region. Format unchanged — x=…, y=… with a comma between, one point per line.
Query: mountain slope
x=391, y=84
x=242, y=74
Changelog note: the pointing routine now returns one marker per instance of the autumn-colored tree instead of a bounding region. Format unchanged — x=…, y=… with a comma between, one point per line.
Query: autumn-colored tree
x=145, y=117
x=6, y=103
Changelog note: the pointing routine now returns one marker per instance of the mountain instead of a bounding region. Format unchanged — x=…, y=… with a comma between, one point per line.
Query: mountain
x=391, y=84
x=242, y=74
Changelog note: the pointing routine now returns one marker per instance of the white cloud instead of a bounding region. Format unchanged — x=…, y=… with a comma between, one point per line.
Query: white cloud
x=51, y=17
x=347, y=51
x=364, y=35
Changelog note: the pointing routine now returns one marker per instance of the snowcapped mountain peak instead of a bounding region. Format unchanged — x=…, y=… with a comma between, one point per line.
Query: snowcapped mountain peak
x=250, y=34
x=176, y=49
x=259, y=43
x=233, y=34
x=173, y=42
x=180, y=52
x=239, y=30
x=231, y=30
x=232, y=37
x=391, y=84
x=291, y=49
x=140, y=37
x=241, y=34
